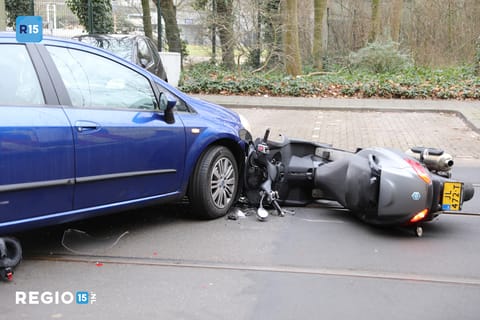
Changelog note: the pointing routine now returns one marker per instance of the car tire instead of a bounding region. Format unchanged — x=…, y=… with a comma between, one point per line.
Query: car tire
x=214, y=185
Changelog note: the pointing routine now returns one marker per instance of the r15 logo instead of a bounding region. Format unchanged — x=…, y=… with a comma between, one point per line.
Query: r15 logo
x=29, y=29
x=81, y=297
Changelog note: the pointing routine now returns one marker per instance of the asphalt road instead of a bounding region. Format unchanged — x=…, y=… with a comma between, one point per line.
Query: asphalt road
x=320, y=263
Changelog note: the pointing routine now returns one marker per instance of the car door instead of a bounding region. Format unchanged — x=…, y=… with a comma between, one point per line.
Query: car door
x=124, y=149
x=36, y=143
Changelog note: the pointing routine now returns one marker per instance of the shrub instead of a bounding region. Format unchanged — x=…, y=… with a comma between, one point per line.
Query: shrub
x=380, y=57
x=414, y=82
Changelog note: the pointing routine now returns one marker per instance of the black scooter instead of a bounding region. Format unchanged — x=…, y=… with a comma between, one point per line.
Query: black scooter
x=380, y=186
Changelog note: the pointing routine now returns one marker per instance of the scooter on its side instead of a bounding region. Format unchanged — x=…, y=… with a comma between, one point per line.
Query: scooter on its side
x=380, y=186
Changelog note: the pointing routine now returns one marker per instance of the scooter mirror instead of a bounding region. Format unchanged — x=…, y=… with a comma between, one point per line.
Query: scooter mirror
x=262, y=214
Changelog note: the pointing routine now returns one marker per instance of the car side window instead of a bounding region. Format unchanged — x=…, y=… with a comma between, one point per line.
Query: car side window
x=180, y=105
x=94, y=81
x=19, y=83
x=153, y=50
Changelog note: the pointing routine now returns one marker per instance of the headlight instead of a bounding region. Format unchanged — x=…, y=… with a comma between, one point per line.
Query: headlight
x=245, y=123
x=245, y=133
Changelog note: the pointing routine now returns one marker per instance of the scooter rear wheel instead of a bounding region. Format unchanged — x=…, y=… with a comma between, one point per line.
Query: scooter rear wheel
x=418, y=231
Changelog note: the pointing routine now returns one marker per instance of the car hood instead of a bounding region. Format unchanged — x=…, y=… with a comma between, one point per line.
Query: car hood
x=207, y=108
x=213, y=110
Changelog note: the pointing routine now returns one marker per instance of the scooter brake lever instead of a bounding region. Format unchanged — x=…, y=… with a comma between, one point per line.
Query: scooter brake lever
x=267, y=133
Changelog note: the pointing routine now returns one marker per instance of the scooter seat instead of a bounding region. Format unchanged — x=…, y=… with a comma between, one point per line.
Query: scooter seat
x=330, y=178
x=349, y=181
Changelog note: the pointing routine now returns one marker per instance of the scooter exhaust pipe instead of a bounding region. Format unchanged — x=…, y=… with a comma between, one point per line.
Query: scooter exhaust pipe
x=434, y=159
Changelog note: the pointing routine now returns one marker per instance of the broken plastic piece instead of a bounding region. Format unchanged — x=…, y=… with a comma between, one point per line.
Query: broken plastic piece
x=6, y=274
x=235, y=213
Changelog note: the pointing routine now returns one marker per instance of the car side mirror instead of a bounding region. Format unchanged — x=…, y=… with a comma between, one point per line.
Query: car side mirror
x=167, y=103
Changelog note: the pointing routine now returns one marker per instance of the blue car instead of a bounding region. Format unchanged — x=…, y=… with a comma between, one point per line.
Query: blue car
x=84, y=132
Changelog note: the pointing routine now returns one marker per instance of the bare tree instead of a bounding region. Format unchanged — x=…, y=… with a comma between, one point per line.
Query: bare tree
x=293, y=61
x=172, y=32
x=147, y=19
x=319, y=12
x=375, y=20
x=441, y=32
x=273, y=37
x=396, y=20
x=3, y=16
x=221, y=20
x=287, y=32
x=224, y=25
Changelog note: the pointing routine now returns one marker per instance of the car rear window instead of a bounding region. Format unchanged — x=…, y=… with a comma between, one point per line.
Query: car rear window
x=122, y=47
x=19, y=84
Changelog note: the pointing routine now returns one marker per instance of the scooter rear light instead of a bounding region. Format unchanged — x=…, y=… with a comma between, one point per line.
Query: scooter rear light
x=420, y=170
x=419, y=216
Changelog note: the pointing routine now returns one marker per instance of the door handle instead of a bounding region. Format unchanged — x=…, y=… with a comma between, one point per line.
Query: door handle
x=86, y=126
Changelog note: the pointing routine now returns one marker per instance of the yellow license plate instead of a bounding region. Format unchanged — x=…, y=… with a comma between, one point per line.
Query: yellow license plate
x=452, y=196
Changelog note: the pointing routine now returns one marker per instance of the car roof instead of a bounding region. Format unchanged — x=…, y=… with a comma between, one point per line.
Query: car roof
x=10, y=37
x=112, y=41
x=116, y=36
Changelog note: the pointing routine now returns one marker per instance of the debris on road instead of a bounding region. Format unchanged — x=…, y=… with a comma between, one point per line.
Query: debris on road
x=80, y=242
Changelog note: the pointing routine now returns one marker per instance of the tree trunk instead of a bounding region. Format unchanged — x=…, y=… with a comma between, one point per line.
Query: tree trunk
x=147, y=19
x=450, y=24
x=375, y=21
x=169, y=14
x=397, y=11
x=3, y=16
x=272, y=20
x=319, y=12
x=293, y=61
x=225, y=31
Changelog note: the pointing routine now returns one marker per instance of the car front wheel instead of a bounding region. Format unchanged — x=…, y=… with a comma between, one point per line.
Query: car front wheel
x=214, y=184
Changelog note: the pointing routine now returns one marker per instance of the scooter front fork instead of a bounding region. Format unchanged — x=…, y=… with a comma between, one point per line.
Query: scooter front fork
x=272, y=197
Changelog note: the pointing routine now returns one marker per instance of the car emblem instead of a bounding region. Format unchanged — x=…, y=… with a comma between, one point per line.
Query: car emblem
x=416, y=196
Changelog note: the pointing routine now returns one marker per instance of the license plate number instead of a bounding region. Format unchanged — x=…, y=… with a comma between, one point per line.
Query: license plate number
x=452, y=196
